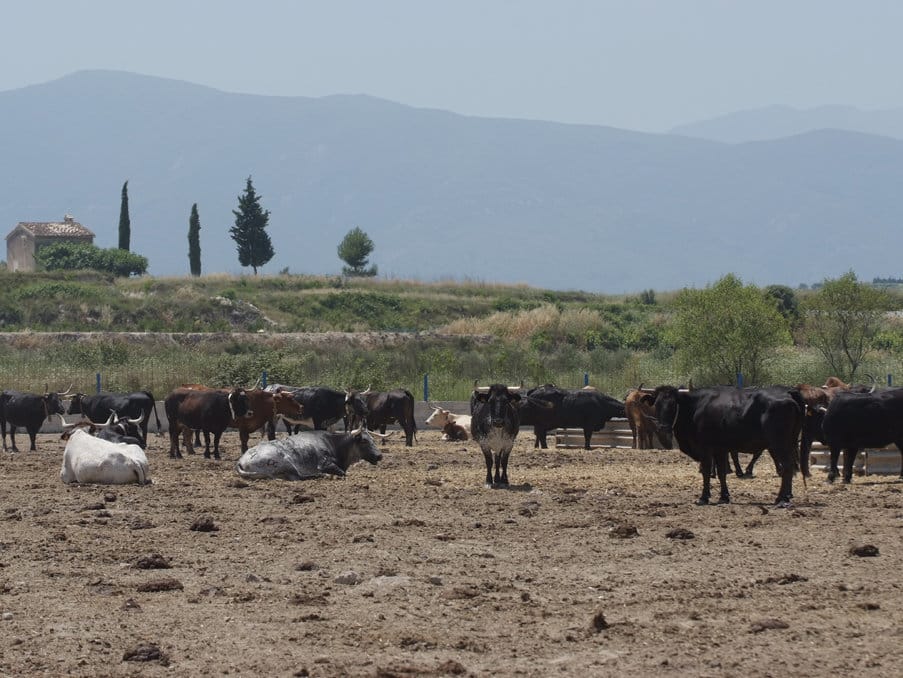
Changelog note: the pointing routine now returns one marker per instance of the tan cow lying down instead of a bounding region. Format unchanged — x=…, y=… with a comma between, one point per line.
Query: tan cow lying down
x=454, y=426
x=87, y=459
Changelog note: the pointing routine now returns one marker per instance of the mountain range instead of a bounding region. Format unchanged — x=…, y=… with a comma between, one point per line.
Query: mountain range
x=447, y=196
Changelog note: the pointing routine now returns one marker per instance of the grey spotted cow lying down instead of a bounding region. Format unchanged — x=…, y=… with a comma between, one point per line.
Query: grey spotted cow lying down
x=308, y=454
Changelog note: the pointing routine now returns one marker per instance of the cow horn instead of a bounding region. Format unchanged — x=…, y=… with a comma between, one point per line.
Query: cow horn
x=64, y=393
x=105, y=424
x=874, y=382
x=66, y=424
x=365, y=392
x=136, y=421
x=381, y=435
x=358, y=430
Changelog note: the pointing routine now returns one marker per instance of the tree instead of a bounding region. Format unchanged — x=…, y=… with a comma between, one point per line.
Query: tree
x=727, y=329
x=68, y=256
x=785, y=301
x=842, y=321
x=194, y=241
x=354, y=250
x=249, y=232
x=125, y=225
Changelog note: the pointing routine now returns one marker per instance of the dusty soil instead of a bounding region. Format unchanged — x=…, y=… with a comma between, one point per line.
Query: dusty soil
x=590, y=564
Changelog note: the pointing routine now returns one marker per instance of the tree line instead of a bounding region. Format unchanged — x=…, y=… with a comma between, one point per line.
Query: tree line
x=249, y=231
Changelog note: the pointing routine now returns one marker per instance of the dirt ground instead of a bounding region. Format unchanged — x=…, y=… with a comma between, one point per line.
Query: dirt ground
x=592, y=563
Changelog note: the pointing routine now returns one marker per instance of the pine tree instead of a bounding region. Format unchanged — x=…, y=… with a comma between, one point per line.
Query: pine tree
x=125, y=226
x=354, y=250
x=249, y=232
x=194, y=241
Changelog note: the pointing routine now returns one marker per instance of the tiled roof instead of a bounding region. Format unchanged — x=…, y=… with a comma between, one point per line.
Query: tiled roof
x=66, y=228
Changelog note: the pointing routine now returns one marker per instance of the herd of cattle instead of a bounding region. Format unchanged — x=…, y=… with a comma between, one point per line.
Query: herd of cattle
x=106, y=445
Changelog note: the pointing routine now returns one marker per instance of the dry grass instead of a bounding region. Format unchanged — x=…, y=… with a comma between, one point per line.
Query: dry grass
x=519, y=325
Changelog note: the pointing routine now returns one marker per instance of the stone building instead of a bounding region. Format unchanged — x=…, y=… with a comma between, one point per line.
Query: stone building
x=29, y=236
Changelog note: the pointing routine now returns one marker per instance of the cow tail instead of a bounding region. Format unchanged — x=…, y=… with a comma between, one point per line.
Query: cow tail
x=797, y=458
x=153, y=400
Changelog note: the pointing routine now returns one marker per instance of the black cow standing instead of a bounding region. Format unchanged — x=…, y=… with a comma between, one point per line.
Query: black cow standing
x=99, y=407
x=856, y=421
x=388, y=407
x=494, y=424
x=710, y=422
x=586, y=409
x=28, y=410
x=207, y=411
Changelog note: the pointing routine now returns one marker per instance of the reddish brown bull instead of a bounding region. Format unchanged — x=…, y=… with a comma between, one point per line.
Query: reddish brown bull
x=641, y=417
x=207, y=411
x=265, y=406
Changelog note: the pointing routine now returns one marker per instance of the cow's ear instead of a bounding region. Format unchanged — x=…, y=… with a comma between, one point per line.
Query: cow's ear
x=647, y=398
x=482, y=397
x=515, y=397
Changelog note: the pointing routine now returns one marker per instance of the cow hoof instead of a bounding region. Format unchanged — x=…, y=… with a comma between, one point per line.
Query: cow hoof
x=724, y=500
x=702, y=501
x=748, y=475
x=847, y=481
x=783, y=504
x=216, y=456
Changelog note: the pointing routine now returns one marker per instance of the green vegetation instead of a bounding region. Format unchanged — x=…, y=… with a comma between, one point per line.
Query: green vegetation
x=194, y=241
x=249, y=232
x=228, y=329
x=125, y=224
x=68, y=256
x=354, y=250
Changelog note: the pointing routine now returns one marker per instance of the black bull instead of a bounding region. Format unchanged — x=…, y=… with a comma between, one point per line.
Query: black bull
x=99, y=407
x=856, y=421
x=588, y=410
x=387, y=407
x=709, y=423
x=28, y=410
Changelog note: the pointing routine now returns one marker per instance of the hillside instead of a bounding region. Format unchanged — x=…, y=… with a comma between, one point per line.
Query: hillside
x=446, y=196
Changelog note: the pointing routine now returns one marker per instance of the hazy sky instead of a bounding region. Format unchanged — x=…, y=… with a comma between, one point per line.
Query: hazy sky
x=636, y=64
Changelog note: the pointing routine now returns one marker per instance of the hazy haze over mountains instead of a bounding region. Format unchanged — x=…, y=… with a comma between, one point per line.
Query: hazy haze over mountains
x=446, y=195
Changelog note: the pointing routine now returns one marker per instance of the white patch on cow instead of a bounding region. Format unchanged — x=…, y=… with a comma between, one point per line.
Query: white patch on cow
x=498, y=439
x=87, y=459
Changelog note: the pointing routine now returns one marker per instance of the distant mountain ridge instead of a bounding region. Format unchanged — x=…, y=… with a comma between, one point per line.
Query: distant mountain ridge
x=775, y=122
x=444, y=195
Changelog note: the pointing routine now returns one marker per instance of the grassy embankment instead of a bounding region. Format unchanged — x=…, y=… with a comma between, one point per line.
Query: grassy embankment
x=228, y=329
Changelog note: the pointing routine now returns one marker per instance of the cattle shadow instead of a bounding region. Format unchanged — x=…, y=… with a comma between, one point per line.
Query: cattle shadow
x=525, y=487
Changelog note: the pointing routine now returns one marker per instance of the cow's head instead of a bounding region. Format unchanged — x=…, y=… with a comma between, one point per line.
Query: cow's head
x=439, y=417
x=365, y=445
x=667, y=407
x=53, y=402
x=356, y=409
x=75, y=404
x=239, y=404
x=284, y=403
x=502, y=400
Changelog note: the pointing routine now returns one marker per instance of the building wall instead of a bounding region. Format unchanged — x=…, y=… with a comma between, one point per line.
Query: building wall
x=20, y=253
x=21, y=248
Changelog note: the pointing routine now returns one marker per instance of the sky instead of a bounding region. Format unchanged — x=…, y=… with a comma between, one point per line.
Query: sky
x=645, y=65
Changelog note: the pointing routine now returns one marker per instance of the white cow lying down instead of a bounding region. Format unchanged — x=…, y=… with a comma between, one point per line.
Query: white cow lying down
x=87, y=459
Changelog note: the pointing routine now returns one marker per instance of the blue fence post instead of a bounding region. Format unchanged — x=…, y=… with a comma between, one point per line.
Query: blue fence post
x=426, y=387
x=890, y=379
x=263, y=378
x=586, y=378
x=98, y=382
x=739, y=379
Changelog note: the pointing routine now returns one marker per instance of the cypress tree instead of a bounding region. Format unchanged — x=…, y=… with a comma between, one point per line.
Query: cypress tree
x=125, y=226
x=249, y=232
x=194, y=241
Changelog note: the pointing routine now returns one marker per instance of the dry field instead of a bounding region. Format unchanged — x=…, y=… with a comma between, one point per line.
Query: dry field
x=592, y=563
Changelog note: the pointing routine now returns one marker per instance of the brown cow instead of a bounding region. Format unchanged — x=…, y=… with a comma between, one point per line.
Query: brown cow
x=265, y=407
x=640, y=417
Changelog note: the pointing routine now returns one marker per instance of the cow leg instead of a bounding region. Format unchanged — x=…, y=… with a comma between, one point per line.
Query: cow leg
x=785, y=494
x=705, y=469
x=587, y=437
x=487, y=456
x=197, y=438
x=498, y=469
x=243, y=435
x=503, y=458
x=187, y=438
x=542, y=435
x=900, y=447
x=849, y=456
x=32, y=434
x=805, y=448
x=12, y=438
x=722, y=466
x=207, y=445
x=174, y=441
x=833, y=472
x=735, y=457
